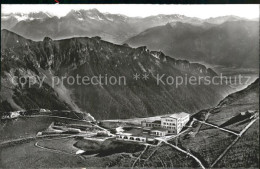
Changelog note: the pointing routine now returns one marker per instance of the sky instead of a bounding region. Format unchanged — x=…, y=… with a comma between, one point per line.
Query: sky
x=142, y=10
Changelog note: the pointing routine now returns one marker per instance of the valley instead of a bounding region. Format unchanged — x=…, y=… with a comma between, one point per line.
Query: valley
x=202, y=143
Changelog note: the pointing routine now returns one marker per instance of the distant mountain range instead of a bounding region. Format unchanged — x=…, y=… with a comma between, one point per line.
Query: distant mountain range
x=228, y=41
x=230, y=44
x=22, y=57
x=10, y=20
x=115, y=28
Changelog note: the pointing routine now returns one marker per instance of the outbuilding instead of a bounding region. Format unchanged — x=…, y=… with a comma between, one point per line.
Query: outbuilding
x=158, y=132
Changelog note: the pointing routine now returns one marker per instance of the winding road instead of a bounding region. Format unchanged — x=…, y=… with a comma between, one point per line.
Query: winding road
x=60, y=151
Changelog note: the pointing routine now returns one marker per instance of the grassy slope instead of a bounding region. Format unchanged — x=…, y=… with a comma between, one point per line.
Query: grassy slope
x=207, y=145
x=27, y=126
x=210, y=142
x=245, y=153
x=28, y=156
x=23, y=127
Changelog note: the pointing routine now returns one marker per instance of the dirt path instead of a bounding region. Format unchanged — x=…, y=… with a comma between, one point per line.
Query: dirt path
x=174, y=136
x=60, y=151
x=189, y=154
x=21, y=140
x=33, y=116
x=220, y=128
x=56, y=151
x=234, y=142
x=138, y=158
x=101, y=128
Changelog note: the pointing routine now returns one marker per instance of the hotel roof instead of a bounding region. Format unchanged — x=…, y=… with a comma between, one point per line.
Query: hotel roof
x=158, y=129
x=176, y=115
x=152, y=121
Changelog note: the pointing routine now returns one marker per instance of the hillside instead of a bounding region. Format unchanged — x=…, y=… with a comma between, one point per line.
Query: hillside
x=230, y=44
x=93, y=57
x=205, y=142
x=227, y=136
x=246, y=96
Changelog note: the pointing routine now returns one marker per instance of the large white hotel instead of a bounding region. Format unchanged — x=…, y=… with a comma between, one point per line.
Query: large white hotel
x=169, y=124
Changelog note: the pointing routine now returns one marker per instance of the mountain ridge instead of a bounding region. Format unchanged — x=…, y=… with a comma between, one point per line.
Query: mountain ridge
x=212, y=44
x=93, y=22
x=93, y=57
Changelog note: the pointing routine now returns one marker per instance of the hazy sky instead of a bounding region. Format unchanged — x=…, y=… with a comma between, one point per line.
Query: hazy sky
x=200, y=11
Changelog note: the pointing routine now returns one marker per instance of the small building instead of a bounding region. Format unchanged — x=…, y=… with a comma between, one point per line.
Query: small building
x=44, y=111
x=136, y=135
x=130, y=137
x=10, y=115
x=15, y=114
x=104, y=134
x=146, y=130
x=151, y=124
x=160, y=132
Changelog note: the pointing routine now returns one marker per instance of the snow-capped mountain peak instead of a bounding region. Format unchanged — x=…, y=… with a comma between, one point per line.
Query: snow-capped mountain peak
x=92, y=14
x=29, y=16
